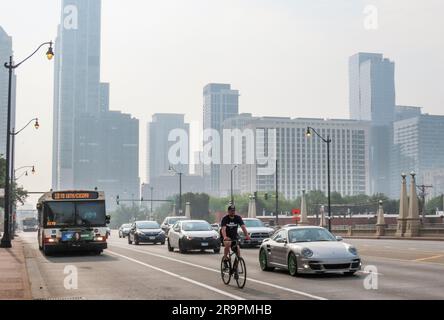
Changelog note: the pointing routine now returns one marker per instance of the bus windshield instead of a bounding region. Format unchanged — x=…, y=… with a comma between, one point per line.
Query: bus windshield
x=80, y=214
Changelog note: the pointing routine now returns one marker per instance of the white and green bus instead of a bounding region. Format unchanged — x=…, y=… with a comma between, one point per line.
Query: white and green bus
x=72, y=221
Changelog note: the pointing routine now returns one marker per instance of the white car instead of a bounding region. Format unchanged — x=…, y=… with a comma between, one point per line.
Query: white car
x=188, y=235
x=257, y=230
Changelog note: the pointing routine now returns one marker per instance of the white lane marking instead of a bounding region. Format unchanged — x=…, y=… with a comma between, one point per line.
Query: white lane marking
x=218, y=271
x=178, y=276
x=413, y=249
x=387, y=247
x=368, y=272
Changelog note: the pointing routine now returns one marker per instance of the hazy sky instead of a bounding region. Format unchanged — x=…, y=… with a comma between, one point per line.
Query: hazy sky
x=287, y=58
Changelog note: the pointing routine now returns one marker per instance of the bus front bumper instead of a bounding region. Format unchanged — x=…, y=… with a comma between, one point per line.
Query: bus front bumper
x=76, y=246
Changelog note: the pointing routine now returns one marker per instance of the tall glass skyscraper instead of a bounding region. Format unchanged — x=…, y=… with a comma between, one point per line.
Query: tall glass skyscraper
x=77, y=84
x=372, y=98
x=220, y=104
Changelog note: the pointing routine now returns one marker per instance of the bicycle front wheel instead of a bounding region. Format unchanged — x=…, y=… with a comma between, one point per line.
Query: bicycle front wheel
x=225, y=271
x=241, y=273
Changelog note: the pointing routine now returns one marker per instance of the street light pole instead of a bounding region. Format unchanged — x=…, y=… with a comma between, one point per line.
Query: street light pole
x=6, y=239
x=277, y=194
x=13, y=133
x=151, y=188
x=171, y=168
x=232, y=196
x=328, y=142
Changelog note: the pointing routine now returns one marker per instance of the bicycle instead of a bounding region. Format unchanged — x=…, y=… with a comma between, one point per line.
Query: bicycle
x=237, y=268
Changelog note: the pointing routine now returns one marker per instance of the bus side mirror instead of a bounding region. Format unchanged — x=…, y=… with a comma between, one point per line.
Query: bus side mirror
x=108, y=219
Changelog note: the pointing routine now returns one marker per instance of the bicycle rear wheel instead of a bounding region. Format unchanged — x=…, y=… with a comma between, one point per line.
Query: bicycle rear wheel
x=225, y=272
x=240, y=274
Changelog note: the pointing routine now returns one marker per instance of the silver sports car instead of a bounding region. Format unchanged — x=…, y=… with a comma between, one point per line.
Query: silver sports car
x=305, y=249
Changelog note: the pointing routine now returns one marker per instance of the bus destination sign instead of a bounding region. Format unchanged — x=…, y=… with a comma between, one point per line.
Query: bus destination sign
x=75, y=195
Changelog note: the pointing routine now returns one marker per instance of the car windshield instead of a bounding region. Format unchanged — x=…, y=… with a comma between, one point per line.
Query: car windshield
x=309, y=235
x=253, y=223
x=174, y=220
x=196, y=226
x=147, y=225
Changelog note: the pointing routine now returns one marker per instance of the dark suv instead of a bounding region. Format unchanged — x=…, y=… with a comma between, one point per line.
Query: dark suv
x=147, y=232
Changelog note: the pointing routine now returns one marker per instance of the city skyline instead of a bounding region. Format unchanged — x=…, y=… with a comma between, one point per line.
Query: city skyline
x=281, y=95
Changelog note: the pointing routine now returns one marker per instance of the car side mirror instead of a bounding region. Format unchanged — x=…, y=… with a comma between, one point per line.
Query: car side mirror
x=339, y=238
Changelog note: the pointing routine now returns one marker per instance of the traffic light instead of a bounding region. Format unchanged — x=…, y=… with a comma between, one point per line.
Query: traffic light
x=118, y=200
x=266, y=196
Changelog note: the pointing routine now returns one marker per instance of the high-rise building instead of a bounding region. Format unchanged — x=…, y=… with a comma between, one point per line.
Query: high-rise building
x=372, y=98
x=159, y=146
x=93, y=146
x=104, y=97
x=5, y=53
x=220, y=103
x=77, y=84
x=418, y=146
x=406, y=112
x=118, y=173
x=302, y=161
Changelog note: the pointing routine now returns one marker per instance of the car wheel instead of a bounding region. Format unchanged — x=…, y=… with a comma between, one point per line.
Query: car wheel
x=292, y=265
x=162, y=243
x=170, y=248
x=263, y=261
x=217, y=250
x=181, y=247
x=129, y=240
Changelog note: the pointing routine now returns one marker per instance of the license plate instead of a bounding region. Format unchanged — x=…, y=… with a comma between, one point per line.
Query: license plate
x=204, y=244
x=152, y=238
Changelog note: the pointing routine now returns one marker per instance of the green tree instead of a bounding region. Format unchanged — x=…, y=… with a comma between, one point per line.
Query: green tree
x=433, y=204
x=126, y=214
x=18, y=193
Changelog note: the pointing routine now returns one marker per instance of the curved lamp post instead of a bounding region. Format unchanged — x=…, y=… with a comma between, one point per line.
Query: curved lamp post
x=6, y=240
x=327, y=141
x=171, y=169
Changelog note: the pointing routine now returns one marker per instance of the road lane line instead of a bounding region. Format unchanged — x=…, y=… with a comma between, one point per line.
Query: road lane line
x=430, y=258
x=178, y=276
x=218, y=271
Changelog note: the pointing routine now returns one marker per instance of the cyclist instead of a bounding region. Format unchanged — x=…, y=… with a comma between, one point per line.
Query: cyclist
x=230, y=224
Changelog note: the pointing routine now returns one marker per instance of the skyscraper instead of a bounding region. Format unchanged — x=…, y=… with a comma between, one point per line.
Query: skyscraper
x=372, y=98
x=220, y=104
x=77, y=84
x=419, y=147
x=158, y=145
x=5, y=53
x=93, y=146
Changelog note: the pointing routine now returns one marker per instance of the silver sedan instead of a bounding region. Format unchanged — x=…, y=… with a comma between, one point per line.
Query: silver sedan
x=305, y=249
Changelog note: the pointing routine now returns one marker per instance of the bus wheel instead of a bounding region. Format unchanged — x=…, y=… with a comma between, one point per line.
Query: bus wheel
x=46, y=250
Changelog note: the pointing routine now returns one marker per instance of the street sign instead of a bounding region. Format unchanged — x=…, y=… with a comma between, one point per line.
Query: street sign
x=296, y=211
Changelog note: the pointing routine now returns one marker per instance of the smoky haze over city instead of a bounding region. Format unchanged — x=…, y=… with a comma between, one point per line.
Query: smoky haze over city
x=286, y=59
x=294, y=112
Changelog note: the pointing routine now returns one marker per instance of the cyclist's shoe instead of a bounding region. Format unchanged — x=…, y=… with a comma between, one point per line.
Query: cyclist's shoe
x=226, y=265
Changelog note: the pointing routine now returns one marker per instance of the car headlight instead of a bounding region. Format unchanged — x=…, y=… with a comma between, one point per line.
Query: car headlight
x=353, y=251
x=306, y=253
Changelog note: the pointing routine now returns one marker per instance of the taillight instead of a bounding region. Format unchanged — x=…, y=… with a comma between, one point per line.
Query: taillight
x=100, y=239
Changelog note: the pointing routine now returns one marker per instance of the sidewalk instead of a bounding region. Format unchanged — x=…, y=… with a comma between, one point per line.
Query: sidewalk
x=14, y=282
